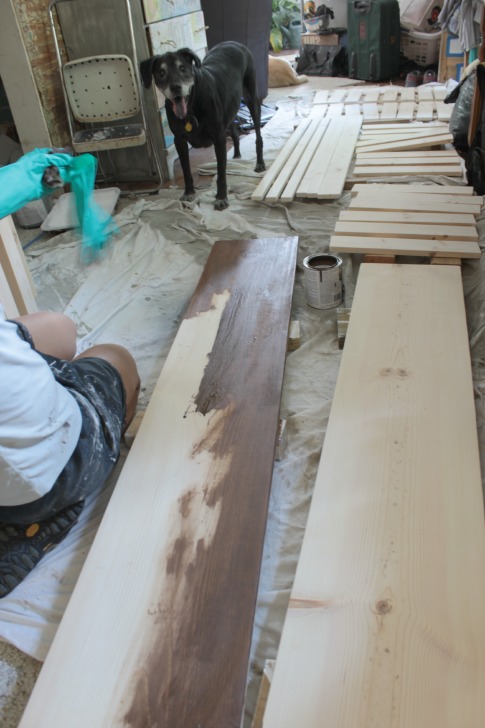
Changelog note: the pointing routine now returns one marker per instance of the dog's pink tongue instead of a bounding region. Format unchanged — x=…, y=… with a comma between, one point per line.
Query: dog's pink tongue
x=180, y=107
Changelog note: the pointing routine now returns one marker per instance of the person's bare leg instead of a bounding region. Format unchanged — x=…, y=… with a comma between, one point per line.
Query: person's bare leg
x=52, y=333
x=123, y=361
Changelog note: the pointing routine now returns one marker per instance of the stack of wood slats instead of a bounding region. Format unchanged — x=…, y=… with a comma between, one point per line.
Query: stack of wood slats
x=409, y=219
x=385, y=103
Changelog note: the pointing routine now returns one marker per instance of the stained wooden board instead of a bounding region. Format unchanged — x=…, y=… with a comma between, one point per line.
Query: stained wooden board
x=422, y=218
x=390, y=230
x=382, y=627
x=158, y=629
x=401, y=201
x=424, y=246
x=454, y=170
x=420, y=189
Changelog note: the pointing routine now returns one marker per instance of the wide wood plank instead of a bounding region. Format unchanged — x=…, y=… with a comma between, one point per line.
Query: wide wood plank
x=417, y=142
x=425, y=247
x=158, y=629
x=384, y=626
x=419, y=189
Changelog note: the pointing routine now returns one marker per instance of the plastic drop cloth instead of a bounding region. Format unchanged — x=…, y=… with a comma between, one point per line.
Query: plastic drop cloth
x=136, y=296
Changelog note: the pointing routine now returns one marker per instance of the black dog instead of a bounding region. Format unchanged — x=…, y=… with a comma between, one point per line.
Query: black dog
x=202, y=101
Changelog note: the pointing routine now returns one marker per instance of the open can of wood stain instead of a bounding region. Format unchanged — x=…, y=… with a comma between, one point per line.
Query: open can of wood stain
x=323, y=280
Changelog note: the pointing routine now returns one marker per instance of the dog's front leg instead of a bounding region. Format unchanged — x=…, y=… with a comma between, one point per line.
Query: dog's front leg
x=221, y=156
x=183, y=151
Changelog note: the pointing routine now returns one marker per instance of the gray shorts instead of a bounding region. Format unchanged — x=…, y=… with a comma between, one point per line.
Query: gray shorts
x=98, y=389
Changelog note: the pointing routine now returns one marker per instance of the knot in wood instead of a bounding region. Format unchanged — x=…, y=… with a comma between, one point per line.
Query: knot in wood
x=383, y=606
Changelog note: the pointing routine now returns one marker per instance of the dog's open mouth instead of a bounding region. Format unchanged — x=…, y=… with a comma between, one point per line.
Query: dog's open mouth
x=179, y=104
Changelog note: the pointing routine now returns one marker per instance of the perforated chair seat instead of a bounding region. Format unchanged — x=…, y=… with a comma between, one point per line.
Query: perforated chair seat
x=108, y=137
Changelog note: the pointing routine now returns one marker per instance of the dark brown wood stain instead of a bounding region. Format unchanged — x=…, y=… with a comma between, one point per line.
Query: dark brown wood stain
x=195, y=674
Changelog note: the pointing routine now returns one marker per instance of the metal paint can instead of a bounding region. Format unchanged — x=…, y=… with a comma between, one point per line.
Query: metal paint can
x=323, y=280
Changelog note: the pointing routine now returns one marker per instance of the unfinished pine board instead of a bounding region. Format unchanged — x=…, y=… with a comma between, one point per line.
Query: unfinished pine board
x=6, y=297
x=443, y=110
x=321, y=97
x=430, y=189
x=389, y=93
x=384, y=625
x=335, y=110
x=370, y=111
x=454, y=170
x=426, y=247
x=425, y=110
x=389, y=110
x=354, y=95
x=299, y=159
x=158, y=629
x=408, y=93
x=332, y=184
x=281, y=159
x=15, y=269
x=352, y=110
x=406, y=110
x=289, y=191
x=400, y=201
x=389, y=230
x=371, y=94
x=385, y=160
x=416, y=142
x=326, y=174
x=425, y=93
x=424, y=218
x=337, y=96
x=422, y=153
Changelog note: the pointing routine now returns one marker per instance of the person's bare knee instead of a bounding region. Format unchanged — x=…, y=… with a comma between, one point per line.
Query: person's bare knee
x=53, y=333
x=123, y=362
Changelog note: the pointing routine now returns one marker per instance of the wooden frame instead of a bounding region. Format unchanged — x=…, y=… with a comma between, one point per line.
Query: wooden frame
x=17, y=290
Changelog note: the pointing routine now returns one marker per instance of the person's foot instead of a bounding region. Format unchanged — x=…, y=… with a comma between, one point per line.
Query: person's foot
x=22, y=547
x=414, y=78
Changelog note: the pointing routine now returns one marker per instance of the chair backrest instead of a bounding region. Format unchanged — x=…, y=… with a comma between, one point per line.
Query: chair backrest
x=101, y=88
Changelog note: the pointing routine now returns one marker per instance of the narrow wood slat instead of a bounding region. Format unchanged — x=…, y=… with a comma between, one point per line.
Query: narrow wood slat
x=352, y=110
x=454, y=170
x=289, y=192
x=443, y=110
x=310, y=139
x=426, y=218
x=385, y=160
x=422, y=153
x=321, y=160
x=424, y=246
x=388, y=230
x=332, y=185
x=433, y=126
x=321, y=97
x=389, y=110
x=425, y=110
x=397, y=136
x=335, y=110
x=278, y=164
x=354, y=95
x=158, y=629
x=408, y=94
x=406, y=110
x=370, y=111
x=383, y=625
x=15, y=269
x=413, y=143
x=400, y=201
x=337, y=96
x=420, y=189
x=6, y=297
x=425, y=93
x=371, y=94
x=390, y=93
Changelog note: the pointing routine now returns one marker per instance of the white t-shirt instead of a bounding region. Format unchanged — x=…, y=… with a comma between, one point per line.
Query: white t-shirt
x=40, y=421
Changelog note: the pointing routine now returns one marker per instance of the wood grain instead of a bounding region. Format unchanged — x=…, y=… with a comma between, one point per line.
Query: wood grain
x=158, y=630
x=385, y=627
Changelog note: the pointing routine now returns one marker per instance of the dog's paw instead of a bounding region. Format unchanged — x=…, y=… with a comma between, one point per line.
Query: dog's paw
x=188, y=197
x=260, y=167
x=221, y=204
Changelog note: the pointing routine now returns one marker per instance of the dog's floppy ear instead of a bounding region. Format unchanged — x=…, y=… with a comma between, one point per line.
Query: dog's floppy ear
x=190, y=56
x=146, y=70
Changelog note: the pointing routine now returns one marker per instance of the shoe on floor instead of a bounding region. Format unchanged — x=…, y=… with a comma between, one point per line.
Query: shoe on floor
x=429, y=77
x=414, y=78
x=22, y=547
